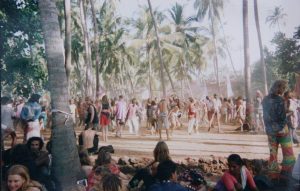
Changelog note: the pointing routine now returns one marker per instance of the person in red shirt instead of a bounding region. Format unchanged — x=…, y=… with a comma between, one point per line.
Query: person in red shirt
x=237, y=177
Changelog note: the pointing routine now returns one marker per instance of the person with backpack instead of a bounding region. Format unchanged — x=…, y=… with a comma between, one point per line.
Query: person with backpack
x=92, y=118
x=276, y=123
x=30, y=114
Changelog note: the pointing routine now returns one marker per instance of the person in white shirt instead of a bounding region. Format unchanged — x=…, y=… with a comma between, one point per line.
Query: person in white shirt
x=73, y=110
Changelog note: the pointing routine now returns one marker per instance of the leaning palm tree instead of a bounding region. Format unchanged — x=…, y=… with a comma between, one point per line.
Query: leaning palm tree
x=159, y=51
x=262, y=60
x=211, y=8
x=65, y=160
x=276, y=17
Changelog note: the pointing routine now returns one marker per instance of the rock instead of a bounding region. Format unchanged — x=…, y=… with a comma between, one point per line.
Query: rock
x=123, y=160
x=222, y=160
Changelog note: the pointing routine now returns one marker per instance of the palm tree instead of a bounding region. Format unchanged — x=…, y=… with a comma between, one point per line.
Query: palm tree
x=212, y=8
x=159, y=51
x=187, y=34
x=276, y=17
x=262, y=60
x=87, y=51
x=96, y=45
x=68, y=39
x=65, y=160
x=247, y=62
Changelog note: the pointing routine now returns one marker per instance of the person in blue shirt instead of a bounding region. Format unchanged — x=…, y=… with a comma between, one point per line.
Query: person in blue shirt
x=30, y=114
x=167, y=178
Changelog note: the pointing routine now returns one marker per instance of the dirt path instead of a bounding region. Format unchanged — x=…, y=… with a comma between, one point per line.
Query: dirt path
x=182, y=145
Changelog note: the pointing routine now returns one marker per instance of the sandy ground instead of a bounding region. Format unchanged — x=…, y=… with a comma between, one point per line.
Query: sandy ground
x=182, y=145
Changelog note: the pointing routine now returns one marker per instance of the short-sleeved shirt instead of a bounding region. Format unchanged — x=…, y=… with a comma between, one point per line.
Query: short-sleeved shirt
x=229, y=180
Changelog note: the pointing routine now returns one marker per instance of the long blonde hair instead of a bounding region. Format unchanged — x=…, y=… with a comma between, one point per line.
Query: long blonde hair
x=21, y=171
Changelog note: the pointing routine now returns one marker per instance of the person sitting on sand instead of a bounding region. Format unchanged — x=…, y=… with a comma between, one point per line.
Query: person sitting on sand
x=237, y=178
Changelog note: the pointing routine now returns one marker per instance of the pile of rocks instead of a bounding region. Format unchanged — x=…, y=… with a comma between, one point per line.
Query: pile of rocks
x=210, y=165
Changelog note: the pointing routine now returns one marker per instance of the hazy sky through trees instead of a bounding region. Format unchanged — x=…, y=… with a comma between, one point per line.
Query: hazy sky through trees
x=232, y=18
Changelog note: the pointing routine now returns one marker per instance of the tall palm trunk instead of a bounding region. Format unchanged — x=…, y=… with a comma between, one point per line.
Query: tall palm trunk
x=96, y=46
x=159, y=52
x=247, y=62
x=68, y=40
x=77, y=69
x=262, y=59
x=227, y=50
x=214, y=44
x=87, y=52
x=150, y=70
x=65, y=160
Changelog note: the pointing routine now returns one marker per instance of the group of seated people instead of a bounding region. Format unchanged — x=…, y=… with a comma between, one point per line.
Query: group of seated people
x=27, y=168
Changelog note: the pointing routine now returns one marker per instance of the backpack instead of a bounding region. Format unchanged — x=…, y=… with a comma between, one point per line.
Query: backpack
x=27, y=113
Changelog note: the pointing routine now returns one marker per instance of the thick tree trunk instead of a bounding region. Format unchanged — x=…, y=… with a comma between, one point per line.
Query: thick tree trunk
x=65, y=161
x=68, y=35
x=96, y=46
x=159, y=52
x=247, y=64
x=87, y=52
x=261, y=51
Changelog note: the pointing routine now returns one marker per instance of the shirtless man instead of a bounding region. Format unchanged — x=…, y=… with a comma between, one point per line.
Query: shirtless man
x=162, y=113
x=88, y=139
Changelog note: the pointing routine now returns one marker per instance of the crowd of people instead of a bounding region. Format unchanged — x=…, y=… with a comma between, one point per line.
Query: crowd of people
x=27, y=166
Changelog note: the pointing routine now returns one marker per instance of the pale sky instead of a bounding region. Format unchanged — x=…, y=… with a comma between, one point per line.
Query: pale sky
x=232, y=18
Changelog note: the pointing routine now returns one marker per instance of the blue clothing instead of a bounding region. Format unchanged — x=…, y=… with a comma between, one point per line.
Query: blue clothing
x=167, y=186
x=274, y=114
x=31, y=111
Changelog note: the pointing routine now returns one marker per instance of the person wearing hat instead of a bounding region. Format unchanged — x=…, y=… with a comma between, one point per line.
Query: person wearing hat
x=30, y=114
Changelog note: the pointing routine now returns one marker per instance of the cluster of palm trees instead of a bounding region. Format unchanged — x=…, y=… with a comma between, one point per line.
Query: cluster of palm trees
x=160, y=51
x=102, y=51
x=121, y=58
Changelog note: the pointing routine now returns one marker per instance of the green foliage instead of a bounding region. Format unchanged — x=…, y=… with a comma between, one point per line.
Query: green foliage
x=22, y=52
x=282, y=63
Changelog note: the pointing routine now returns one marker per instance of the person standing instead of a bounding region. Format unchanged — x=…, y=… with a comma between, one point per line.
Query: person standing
x=105, y=117
x=275, y=120
x=73, y=110
x=216, y=112
x=120, y=115
x=92, y=115
x=191, y=115
x=7, y=125
x=162, y=113
x=292, y=116
x=30, y=113
x=132, y=117
x=258, y=111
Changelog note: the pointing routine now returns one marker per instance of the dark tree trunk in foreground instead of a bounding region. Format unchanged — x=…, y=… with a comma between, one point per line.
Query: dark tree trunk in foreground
x=65, y=166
